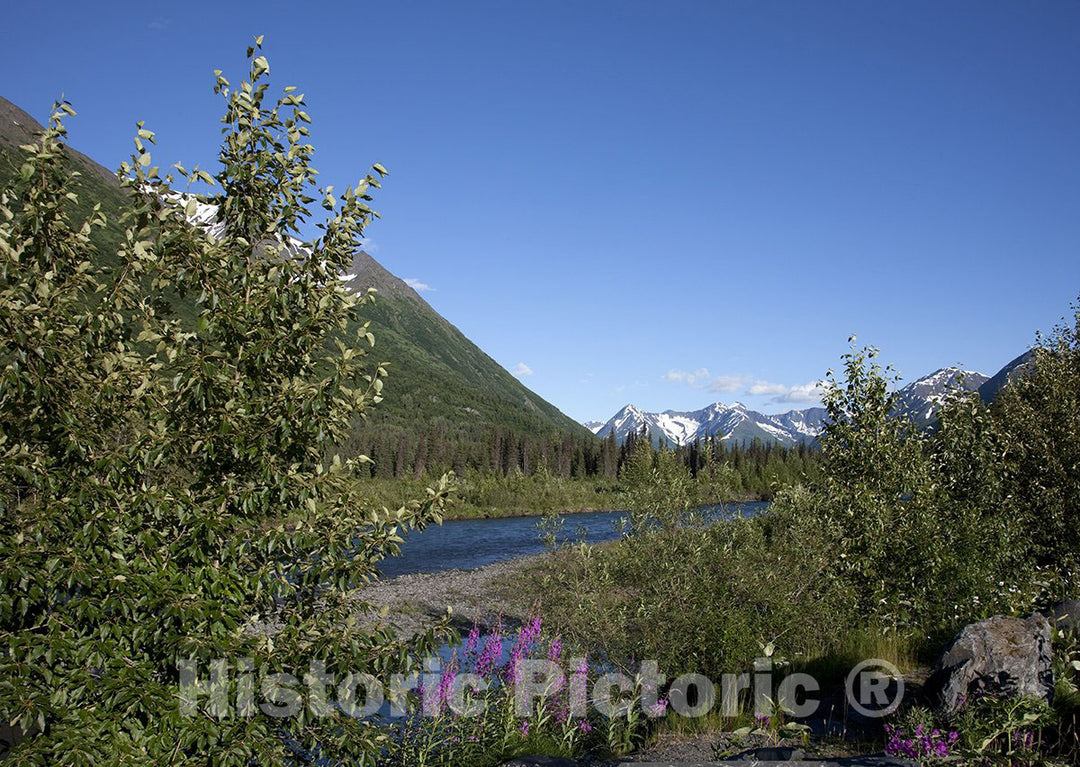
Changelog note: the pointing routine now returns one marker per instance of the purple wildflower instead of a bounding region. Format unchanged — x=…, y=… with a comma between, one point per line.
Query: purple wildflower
x=489, y=656
x=472, y=641
x=922, y=745
x=528, y=634
x=578, y=691
x=555, y=651
x=446, y=687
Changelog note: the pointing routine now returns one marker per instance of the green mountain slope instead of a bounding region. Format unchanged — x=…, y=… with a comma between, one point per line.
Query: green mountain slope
x=439, y=382
x=436, y=373
x=96, y=184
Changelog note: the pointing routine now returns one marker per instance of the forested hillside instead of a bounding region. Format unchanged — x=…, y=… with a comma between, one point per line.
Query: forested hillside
x=445, y=397
x=448, y=403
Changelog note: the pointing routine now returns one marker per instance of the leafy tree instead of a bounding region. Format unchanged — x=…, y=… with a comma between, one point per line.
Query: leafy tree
x=660, y=491
x=872, y=502
x=1038, y=415
x=169, y=493
x=930, y=531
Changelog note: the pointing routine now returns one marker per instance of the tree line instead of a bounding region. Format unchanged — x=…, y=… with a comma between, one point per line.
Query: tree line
x=748, y=469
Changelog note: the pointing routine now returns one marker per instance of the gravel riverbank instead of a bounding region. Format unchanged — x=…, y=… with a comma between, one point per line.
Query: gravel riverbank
x=478, y=596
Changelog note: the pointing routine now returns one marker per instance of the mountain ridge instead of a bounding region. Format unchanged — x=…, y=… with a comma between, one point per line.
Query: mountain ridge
x=920, y=400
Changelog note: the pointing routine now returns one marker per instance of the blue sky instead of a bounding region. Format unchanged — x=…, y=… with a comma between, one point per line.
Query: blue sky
x=667, y=204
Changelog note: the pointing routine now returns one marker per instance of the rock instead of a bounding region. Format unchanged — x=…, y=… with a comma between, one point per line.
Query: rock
x=1064, y=615
x=996, y=656
x=541, y=761
x=757, y=755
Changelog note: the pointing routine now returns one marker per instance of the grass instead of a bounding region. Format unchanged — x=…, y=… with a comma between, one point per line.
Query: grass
x=830, y=665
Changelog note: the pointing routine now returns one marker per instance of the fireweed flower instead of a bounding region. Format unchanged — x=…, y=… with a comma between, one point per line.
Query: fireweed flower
x=931, y=744
x=445, y=689
x=528, y=634
x=489, y=656
x=555, y=650
x=578, y=693
x=472, y=641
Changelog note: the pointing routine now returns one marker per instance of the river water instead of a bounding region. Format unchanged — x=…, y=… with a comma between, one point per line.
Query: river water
x=470, y=543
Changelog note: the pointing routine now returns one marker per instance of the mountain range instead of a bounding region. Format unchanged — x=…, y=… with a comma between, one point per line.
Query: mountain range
x=439, y=380
x=921, y=400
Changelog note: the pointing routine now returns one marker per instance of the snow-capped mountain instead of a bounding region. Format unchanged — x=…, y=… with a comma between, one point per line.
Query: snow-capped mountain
x=920, y=399
x=727, y=422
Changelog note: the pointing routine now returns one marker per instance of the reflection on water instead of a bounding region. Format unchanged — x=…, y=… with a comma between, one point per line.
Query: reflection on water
x=469, y=543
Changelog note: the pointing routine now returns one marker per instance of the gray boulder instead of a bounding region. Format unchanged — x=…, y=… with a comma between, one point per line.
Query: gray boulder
x=999, y=656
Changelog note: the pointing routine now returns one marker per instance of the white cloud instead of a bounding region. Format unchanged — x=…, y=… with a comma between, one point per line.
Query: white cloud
x=521, y=369
x=417, y=285
x=766, y=389
x=728, y=384
x=781, y=393
x=692, y=379
x=776, y=393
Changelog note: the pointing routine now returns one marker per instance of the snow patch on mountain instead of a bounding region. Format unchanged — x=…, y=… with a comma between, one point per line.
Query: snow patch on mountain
x=727, y=422
x=921, y=400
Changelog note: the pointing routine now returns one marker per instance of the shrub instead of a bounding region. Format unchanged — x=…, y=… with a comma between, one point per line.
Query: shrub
x=168, y=487
x=1038, y=416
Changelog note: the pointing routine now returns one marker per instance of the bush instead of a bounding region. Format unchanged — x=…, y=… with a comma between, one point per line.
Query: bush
x=168, y=487
x=1038, y=416
x=903, y=531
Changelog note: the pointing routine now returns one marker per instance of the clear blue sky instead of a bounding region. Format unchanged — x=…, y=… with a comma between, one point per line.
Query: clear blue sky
x=660, y=203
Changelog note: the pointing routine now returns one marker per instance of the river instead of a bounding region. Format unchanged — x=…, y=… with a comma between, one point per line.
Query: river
x=466, y=544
